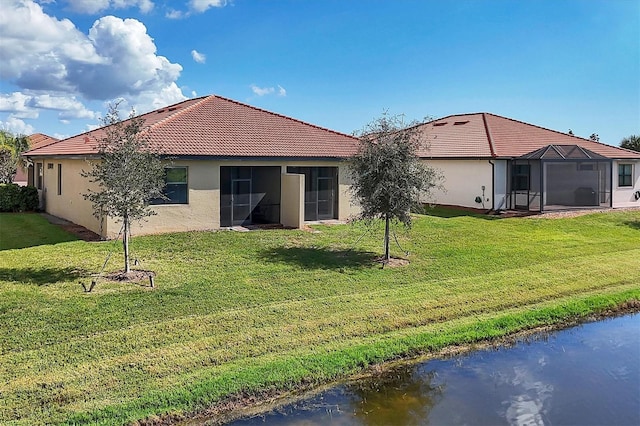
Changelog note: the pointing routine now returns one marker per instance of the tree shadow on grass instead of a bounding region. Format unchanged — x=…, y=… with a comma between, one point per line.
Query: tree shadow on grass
x=319, y=258
x=40, y=276
x=451, y=212
x=634, y=224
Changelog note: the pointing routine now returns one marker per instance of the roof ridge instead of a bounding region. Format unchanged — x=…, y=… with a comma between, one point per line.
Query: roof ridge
x=284, y=116
x=559, y=132
x=89, y=132
x=179, y=112
x=451, y=115
x=489, y=137
x=51, y=140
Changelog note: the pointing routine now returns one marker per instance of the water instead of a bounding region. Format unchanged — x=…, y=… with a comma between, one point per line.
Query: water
x=587, y=375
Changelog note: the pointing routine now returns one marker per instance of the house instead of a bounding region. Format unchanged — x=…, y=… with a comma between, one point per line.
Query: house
x=36, y=140
x=496, y=163
x=231, y=164
x=234, y=164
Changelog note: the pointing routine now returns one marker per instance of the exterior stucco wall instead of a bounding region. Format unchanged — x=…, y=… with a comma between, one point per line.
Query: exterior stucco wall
x=201, y=213
x=292, y=194
x=69, y=205
x=624, y=196
x=463, y=181
x=347, y=207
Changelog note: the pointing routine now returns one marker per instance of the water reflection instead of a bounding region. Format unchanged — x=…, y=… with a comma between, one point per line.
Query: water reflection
x=401, y=396
x=588, y=375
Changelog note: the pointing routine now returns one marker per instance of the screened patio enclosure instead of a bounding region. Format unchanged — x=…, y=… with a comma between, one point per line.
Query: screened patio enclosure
x=320, y=192
x=558, y=177
x=249, y=195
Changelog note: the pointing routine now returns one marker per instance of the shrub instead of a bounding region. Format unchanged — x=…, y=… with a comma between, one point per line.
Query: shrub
x=14, y=198
x=28, y=200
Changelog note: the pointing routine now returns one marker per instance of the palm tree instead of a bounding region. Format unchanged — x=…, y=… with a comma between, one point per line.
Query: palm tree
x=632, y=142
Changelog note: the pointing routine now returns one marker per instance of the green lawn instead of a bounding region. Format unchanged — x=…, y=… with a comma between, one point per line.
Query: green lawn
x=243, y=312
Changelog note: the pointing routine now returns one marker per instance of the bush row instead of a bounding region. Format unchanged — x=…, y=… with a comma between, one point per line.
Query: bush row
x=16, y=198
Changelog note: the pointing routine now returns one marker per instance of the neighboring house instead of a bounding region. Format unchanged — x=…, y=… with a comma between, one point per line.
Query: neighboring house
x=231, y=164
x=497, y=163
x=36, y=140
x=234, y=164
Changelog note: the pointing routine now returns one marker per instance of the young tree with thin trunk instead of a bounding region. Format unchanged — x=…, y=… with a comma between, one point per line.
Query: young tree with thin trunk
x=129, y=174
x=388, y=177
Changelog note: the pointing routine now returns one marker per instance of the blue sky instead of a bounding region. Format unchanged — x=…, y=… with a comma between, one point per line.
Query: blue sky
x=339, y=64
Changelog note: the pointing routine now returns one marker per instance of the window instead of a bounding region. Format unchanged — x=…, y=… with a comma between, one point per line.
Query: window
x=625, y=174
x=39, y=175
x=521, y=177
x=59, y=179
x=176, y=188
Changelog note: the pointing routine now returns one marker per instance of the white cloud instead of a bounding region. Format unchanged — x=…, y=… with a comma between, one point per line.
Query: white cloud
x=200, y=58
x=17, y=104
x=174, y=14
x=203, y=5
x=16, y=125
x=261, y=91
x=23, y=106
x=37, y=48
x=195, y=6
x=46, y=56
x=93, y=7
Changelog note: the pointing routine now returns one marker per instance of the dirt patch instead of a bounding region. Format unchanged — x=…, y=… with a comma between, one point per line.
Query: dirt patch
x=394, y=262
x=131, y=276
x=72, y=228
x=81, y=232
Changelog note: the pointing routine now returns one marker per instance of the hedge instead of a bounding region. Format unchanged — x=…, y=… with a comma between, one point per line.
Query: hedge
x=16, y=198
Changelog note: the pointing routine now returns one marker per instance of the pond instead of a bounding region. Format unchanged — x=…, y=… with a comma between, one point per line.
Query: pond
x=586, y=375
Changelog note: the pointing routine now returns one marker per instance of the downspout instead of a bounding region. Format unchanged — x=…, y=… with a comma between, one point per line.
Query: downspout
x=541, y=185
x=611, y=185
x=493, y=155
x=493, y=186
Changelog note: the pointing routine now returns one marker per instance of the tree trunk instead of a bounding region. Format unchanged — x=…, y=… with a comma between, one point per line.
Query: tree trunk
x=386, y=238
x=125, y=243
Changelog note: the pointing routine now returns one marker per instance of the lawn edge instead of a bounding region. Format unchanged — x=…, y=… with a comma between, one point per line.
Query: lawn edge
x=260, y=385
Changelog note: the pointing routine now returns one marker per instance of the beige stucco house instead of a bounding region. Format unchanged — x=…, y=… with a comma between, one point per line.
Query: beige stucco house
x=234, y=164
x=231, y=164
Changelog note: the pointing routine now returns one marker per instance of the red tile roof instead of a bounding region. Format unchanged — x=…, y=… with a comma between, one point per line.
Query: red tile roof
x=484, y=135
x=213, y=126
x=38, y=140
x=219, y=127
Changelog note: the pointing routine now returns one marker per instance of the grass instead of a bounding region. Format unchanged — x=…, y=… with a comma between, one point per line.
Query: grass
x=271, y=310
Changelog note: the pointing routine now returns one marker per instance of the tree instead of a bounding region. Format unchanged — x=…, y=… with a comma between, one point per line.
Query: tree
x=11, y=149
x=388, y=177
x=594, y=137
x=632, y=142
x=129, y=174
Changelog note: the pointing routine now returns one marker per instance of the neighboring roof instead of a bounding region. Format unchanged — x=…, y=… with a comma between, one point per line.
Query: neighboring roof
x=562, y=152
x=485, y=135
x=38, y=140
x=218, y=127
